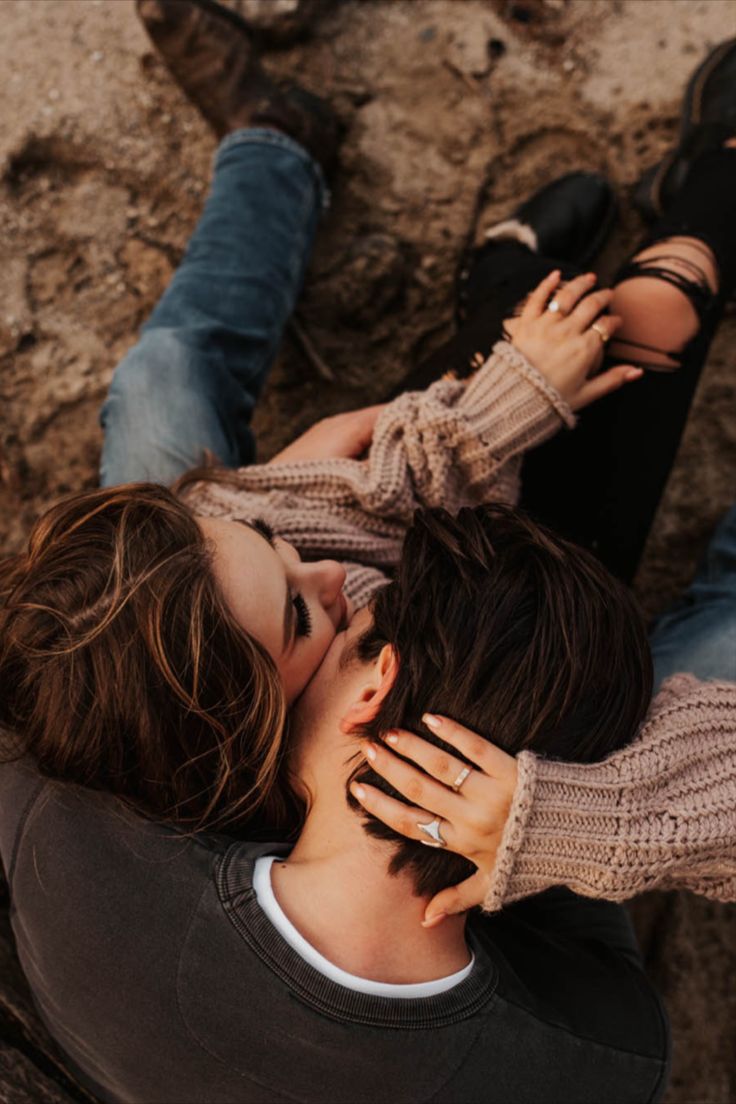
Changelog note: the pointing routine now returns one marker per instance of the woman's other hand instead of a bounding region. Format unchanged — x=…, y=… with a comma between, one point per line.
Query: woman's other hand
x=343, y=436
x=563, y=345
x=472, y=817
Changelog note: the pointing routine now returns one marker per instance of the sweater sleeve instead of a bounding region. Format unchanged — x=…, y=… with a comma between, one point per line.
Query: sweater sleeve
x=455, y=444
x=660, y=813
x=461, y=443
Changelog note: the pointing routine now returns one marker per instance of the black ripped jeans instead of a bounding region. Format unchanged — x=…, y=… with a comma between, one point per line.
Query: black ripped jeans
x=601, y=484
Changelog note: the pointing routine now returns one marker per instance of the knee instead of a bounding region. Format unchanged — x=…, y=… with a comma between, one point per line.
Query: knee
x=656, y=315
x=703, y=646
x=149, y=376
x=157, y=417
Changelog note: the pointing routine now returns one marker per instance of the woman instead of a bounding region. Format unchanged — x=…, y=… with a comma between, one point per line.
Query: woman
x=142, y=660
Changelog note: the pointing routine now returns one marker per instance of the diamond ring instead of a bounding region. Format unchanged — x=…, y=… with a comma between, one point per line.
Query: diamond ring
x=554, y=306
x=432, y=829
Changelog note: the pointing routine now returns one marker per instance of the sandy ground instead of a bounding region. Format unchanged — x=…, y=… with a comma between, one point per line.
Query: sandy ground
x=448, y=104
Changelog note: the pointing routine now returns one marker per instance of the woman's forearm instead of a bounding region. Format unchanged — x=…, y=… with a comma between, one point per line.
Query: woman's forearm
x=659, y=813
x=457, y=443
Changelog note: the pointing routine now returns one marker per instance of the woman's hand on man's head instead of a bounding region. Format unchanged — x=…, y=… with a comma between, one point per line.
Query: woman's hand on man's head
x=566, y=345
x=472, y=804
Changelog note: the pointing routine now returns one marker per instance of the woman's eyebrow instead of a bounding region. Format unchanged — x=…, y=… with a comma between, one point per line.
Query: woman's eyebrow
x=289, y=615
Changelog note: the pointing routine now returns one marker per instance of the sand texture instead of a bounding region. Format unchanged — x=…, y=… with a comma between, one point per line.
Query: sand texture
x=450, y=106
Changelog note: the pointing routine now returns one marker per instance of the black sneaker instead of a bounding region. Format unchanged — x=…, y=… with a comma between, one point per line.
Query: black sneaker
x=567, y=221
x=708, y=120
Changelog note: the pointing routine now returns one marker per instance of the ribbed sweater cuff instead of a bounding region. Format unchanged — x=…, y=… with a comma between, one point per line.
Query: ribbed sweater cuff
x=510, y=849
x=564, y=828
x=659, y=812
x=532, y=409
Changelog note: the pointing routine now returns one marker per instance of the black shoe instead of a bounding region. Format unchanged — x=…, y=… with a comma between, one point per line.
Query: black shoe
x=211, y=54
x=567, y=221
x=569, y=218
x=708, y=120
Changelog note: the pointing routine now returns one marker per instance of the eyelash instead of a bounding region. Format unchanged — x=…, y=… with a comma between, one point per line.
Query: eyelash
x=264, y=529
x=303, y=616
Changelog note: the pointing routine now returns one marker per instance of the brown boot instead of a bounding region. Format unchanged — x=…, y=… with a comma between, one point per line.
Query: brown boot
x=210, y=54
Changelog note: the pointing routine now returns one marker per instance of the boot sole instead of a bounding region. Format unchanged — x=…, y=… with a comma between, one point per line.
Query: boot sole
x=648, y=195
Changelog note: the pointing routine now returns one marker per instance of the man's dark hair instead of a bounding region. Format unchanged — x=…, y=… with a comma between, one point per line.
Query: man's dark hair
x=507, y=628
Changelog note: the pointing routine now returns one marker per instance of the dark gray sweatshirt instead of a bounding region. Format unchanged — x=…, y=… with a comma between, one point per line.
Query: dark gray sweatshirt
x=164, y=982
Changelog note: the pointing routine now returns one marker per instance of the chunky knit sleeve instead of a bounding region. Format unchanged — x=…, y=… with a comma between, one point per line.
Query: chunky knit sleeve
x=461, y=443
x=455, y=444
x=660, y=813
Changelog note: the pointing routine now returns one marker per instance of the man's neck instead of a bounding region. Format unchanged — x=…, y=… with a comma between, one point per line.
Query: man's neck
x=336, y=890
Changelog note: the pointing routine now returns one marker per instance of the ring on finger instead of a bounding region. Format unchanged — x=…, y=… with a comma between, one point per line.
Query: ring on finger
x=432, y=829
x=601, y=331
x=460, y=779
x=554, y=307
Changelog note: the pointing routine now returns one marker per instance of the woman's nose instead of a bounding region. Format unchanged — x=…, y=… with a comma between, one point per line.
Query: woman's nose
x=328, y=579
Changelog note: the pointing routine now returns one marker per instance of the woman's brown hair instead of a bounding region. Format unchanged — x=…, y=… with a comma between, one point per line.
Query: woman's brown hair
x=507, y=628
x=123, y=670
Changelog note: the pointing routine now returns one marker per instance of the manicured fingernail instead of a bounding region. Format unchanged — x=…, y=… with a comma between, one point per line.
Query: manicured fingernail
x=357, y=791
x=369, y=751
x=633, y=373
x=431, y=721
x=433, y=921
x=392, y=738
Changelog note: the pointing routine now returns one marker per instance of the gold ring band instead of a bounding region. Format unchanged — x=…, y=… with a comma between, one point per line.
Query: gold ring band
x=603, y=334
x=460, y=779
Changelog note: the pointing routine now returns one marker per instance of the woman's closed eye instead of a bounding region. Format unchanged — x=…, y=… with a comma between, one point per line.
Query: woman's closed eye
x=303, y=616
x=262, y=527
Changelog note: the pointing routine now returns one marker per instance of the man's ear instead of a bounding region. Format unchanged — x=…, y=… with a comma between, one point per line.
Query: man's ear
x=379, y=682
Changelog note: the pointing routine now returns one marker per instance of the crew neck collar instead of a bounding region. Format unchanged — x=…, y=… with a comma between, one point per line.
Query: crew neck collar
x=268, y=902
x=235, y=887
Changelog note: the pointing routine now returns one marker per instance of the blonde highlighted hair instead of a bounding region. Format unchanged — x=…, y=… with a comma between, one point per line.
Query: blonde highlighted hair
x=123, y=670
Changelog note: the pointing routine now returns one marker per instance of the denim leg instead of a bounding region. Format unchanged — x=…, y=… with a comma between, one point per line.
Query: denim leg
x=698, y=635
x=192, y=380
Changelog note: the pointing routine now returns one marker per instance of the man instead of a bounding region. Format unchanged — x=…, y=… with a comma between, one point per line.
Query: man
x=171, y=967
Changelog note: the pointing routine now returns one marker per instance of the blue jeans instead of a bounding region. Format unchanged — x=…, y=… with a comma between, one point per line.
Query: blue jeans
x=698, y=634
x=191, y=382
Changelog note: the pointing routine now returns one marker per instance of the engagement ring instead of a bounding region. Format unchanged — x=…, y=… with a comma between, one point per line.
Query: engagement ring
x=432, y=829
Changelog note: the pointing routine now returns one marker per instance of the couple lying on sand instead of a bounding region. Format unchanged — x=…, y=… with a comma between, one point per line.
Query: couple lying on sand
x=250, y=793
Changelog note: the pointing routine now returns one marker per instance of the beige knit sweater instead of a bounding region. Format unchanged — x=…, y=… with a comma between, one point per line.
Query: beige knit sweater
x=658, y=813
x=455, y=444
